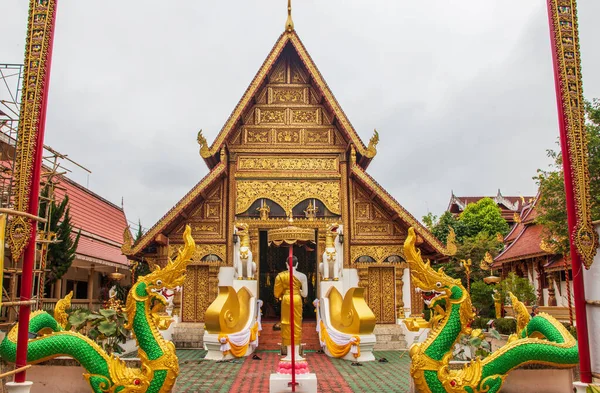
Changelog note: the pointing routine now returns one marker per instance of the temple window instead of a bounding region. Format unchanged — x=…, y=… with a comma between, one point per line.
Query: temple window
x=365, y=259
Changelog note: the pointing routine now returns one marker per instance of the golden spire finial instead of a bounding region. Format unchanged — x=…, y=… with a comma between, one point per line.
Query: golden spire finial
x=289, y=24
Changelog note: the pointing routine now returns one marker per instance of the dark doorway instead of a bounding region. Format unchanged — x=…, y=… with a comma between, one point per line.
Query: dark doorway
x=272, y=261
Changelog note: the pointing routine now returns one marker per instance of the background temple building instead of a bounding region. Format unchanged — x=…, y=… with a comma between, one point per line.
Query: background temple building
x=288, y=151
x=526, y=255
x=510, y=206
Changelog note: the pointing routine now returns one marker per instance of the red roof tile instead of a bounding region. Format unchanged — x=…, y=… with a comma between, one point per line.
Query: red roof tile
x=100, y=250
x=526, y=245
x=92, y=213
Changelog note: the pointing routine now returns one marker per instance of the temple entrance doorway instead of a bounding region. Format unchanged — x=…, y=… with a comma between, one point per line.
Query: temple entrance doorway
x=272, y=261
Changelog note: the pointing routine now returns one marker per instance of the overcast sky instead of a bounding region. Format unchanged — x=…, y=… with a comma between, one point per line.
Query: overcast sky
x=461, y=92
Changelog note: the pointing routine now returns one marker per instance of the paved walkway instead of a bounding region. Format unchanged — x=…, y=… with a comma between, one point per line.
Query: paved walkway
x=252, y=376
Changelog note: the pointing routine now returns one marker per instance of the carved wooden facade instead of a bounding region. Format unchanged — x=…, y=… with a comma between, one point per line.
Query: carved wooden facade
x=288, y=144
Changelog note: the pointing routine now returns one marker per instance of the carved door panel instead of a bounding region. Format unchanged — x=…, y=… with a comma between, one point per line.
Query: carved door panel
x=382, y=294
x=195, y=294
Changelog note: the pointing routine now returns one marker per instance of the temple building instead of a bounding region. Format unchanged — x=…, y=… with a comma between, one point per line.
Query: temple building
x=510, y=206
x=288, y=152
x=526, y=255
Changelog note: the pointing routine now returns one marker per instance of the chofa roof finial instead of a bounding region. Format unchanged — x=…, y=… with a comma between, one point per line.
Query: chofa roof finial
x=289, y=24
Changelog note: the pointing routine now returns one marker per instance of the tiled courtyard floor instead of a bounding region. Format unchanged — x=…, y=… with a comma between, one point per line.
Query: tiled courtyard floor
x=252, y=376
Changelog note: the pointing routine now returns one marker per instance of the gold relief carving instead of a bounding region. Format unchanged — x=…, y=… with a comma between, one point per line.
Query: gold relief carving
x=202, y=250
x=195, y=293
x=362, y=210
x=288, y=193
x=257, y=136
x=372, y=228
x=565, y=41
x=212, y=210
x=317, y=136
x=378, y=253
x=288, y=96
x=206, y=228
x=388, y=295
x=278, y=74
x=39, y=37
x=305, y=116
x=270, y=116
x=288, y=164
x=288, y=136
x=374, y=299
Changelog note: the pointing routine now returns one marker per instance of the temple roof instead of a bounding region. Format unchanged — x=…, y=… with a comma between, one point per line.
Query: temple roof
x=211, y=155
x=171, y=215
x=101, y=223
x=509, y=205
x=398, y=212
x=524, y=239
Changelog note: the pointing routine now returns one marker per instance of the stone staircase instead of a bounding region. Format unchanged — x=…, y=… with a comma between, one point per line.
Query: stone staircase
x=389, y=337
x=270, y=338
x=188, y=335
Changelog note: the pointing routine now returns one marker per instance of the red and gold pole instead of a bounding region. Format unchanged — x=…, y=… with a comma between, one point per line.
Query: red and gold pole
x=28, y=162
x=562, y=15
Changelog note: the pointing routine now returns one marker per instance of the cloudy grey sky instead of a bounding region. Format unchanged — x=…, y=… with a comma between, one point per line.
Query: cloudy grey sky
x=462, y=92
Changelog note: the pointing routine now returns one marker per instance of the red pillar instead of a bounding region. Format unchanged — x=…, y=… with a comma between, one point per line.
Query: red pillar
x=576, y=263
x=30, y=250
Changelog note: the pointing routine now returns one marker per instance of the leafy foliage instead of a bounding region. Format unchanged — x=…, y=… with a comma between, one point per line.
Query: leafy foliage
x=440, y=228
x=505, y=325
x=552, y=204
x=520, y=287
x=139, y=232
x=481, y=297
x=140, y=269
x=106, y=327
x=483, y=216
x=61, y=254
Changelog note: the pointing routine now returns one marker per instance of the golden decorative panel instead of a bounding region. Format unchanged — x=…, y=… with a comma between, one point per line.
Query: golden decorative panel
x=288, y=193
x=35, y=79
x=270, y=116
x=381, y=294
x=288, y=136
x=257, y=136
x=206, y=228
x=319, y=136
x=369, y=228
x=306, y=116
x=287, y=164
x=565, y=47
x=196, y=297
x=288, y=95
x=203, y=250
x=378, y=253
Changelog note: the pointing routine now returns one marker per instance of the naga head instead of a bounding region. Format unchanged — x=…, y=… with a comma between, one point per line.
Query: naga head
x=436, y=287
x=162, y=281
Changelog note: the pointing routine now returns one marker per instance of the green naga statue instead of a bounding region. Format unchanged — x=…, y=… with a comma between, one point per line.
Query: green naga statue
x=541, y=339
x=107, y=373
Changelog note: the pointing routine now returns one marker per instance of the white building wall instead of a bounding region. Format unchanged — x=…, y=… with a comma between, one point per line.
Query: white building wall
x=591, y=279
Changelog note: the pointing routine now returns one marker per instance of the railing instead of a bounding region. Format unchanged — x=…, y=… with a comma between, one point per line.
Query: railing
x=91, y=304
x=560, y=313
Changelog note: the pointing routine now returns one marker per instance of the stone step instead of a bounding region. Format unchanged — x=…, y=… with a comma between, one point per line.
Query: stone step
x=389, y=337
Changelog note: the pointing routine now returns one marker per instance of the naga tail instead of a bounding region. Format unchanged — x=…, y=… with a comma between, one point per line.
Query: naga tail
x=542, y=340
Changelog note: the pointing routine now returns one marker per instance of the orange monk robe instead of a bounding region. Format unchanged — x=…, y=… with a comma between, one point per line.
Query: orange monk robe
x=282, y=292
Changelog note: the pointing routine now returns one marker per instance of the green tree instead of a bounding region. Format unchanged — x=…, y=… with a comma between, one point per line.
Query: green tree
x=60, y=254
x=552, y=214
x=440, y=227
x=139, y=233
x=475, y=248
x=481, y=296
x=483, y=216
x=520, y=287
